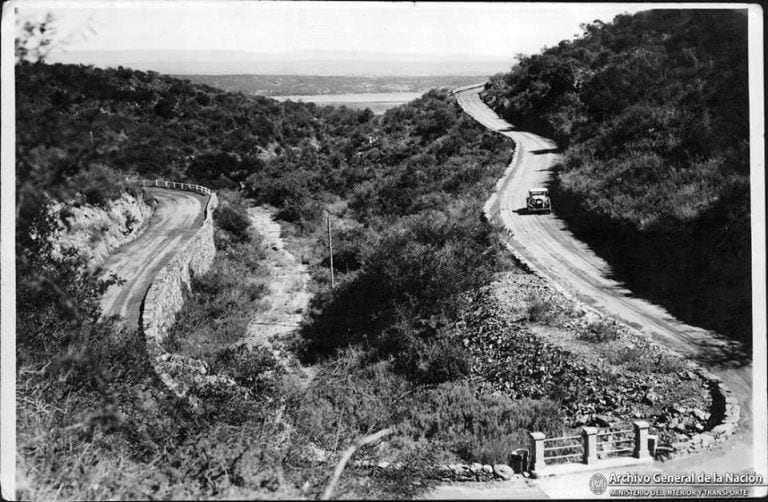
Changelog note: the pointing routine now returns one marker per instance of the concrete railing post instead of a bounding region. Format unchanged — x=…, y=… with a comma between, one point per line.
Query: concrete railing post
x=652, y=442
x=641, y=439
x=537, y=451
x=589, y=438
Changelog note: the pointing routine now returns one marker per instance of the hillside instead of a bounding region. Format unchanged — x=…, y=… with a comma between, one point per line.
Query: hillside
x=652, y=113
x=431, y=332
x=416, y=175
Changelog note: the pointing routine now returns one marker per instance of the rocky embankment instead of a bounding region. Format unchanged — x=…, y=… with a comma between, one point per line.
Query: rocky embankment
x=528, y=340
x=96, y=231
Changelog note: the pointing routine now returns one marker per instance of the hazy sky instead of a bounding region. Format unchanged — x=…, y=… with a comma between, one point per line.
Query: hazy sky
x=490, y=30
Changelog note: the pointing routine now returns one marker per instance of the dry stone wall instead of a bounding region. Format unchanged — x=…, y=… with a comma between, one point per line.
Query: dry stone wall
x=165, y=298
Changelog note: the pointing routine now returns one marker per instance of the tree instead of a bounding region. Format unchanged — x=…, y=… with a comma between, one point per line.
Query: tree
x=34, y=39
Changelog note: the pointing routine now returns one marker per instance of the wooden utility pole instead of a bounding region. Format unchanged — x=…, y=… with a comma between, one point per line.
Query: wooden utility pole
x=330, y=249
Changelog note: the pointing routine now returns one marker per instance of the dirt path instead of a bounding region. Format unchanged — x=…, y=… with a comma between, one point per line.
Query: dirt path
x=288, y=296
x=176, y=219
x=547, y=244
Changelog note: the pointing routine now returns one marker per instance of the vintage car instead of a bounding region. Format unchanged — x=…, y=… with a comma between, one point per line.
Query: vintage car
x=538, y=201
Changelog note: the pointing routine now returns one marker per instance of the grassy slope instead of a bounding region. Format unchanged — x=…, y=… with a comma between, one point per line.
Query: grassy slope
x=652, y=110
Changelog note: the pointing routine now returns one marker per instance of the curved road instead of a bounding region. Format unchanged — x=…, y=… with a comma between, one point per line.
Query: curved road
x=175, y=220
x=547, y=244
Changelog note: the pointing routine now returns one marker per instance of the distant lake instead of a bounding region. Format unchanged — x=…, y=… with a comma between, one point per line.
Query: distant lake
x=378, y=102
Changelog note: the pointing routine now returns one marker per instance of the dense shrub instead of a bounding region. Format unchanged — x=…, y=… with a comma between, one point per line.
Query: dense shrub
x=234, y=222
x=476, y=426
x=600, y=332
x=255, y=369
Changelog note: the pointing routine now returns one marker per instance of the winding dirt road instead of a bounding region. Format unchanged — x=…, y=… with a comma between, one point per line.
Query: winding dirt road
x=555, y=254
x=175, y=220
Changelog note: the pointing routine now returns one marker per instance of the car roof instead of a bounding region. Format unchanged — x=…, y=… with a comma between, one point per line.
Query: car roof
x=537, y=189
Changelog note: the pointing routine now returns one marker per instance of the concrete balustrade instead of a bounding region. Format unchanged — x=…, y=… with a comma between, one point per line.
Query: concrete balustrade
x=595, y=449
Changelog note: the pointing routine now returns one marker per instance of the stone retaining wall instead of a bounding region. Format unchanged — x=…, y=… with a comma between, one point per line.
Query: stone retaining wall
x=450, y=472
x=165, y=298
x=724, y=416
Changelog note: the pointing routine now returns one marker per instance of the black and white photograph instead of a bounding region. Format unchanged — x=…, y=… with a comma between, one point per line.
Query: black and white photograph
x=314, y=250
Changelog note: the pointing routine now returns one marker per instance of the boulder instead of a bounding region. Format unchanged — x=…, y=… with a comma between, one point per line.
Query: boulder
x=603, y=420
x=700, y=415
x=650, y=397
x=503, y=471
x=460, y=470
x=723, y=429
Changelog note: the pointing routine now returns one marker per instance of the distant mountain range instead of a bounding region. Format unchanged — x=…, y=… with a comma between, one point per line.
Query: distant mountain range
x=215, y=62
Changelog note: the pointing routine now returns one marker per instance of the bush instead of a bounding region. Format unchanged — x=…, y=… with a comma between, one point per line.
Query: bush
x=166, y=108
x=478, y=427
x=540, y=309
x=599, y=332
x=255, y=369
x=433, y=361
x=668, y=364
x=631, y=357
x=234, y=221
x=99, y=185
